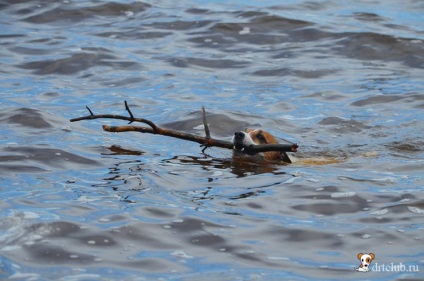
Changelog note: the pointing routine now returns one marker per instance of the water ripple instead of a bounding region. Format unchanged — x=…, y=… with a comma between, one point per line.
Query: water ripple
x=342, y=81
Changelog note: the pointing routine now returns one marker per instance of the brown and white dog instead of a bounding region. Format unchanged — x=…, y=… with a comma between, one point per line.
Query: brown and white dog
x=256, y=137
x=366, y=260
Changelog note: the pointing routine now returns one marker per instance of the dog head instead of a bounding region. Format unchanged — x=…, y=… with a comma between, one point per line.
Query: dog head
x=366, y=259
x=256, y=137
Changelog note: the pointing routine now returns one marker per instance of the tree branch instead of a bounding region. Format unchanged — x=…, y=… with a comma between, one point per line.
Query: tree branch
x=113, y=116
x=204, y=141
x=171, y=133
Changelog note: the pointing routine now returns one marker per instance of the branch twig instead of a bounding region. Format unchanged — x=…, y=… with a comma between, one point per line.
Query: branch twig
x=89, y=110
x=206, y=126
x=205, y=123
x=129, y=112
x=114, y=116
x=204, y=141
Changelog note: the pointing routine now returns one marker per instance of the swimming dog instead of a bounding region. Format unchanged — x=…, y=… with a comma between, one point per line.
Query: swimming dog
x=251, y=136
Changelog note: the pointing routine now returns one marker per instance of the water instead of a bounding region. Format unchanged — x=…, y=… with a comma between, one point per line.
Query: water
x=343, y=79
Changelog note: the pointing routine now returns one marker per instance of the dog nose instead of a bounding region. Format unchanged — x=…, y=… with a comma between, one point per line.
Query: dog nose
x=239, y=135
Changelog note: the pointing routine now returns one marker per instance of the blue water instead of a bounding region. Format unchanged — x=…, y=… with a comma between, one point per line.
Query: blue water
x=343, y=79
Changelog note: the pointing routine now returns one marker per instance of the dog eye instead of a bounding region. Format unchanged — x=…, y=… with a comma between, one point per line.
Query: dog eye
x=261, y=137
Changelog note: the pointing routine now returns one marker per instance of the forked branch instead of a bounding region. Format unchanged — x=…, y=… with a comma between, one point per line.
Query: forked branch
x=206, y=141
x=113, y=116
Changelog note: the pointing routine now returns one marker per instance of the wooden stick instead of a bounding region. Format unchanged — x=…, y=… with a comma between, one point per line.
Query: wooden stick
x=171, y=133
x=204, y=141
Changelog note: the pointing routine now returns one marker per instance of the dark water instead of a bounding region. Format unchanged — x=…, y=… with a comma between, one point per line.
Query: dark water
x=343, y=79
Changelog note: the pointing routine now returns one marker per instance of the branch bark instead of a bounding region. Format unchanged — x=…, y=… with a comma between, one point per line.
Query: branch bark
x=171, y=133
x=113, y=116
x=204, y=141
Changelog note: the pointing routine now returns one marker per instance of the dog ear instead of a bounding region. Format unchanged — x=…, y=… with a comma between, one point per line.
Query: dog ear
x=372, y=255
x=360, y=256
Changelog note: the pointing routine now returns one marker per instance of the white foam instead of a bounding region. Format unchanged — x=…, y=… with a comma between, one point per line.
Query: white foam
x=217, y=174
x=30, y=215
x=366, y=236
x=415, y=210
x=278, y=258
x=199, y=127
x=291, y=180
x=244, y=31
x=343, y=194
x=380, y=212
x=291, y=117
x=181, y=254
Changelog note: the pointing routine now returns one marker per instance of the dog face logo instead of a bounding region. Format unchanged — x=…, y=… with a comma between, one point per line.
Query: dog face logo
x=366, y=260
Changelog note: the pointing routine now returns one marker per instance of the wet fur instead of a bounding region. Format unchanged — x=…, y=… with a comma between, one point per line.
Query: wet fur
x=252, y=136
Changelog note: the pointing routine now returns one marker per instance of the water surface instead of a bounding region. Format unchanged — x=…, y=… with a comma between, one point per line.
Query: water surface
x=343, y=79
